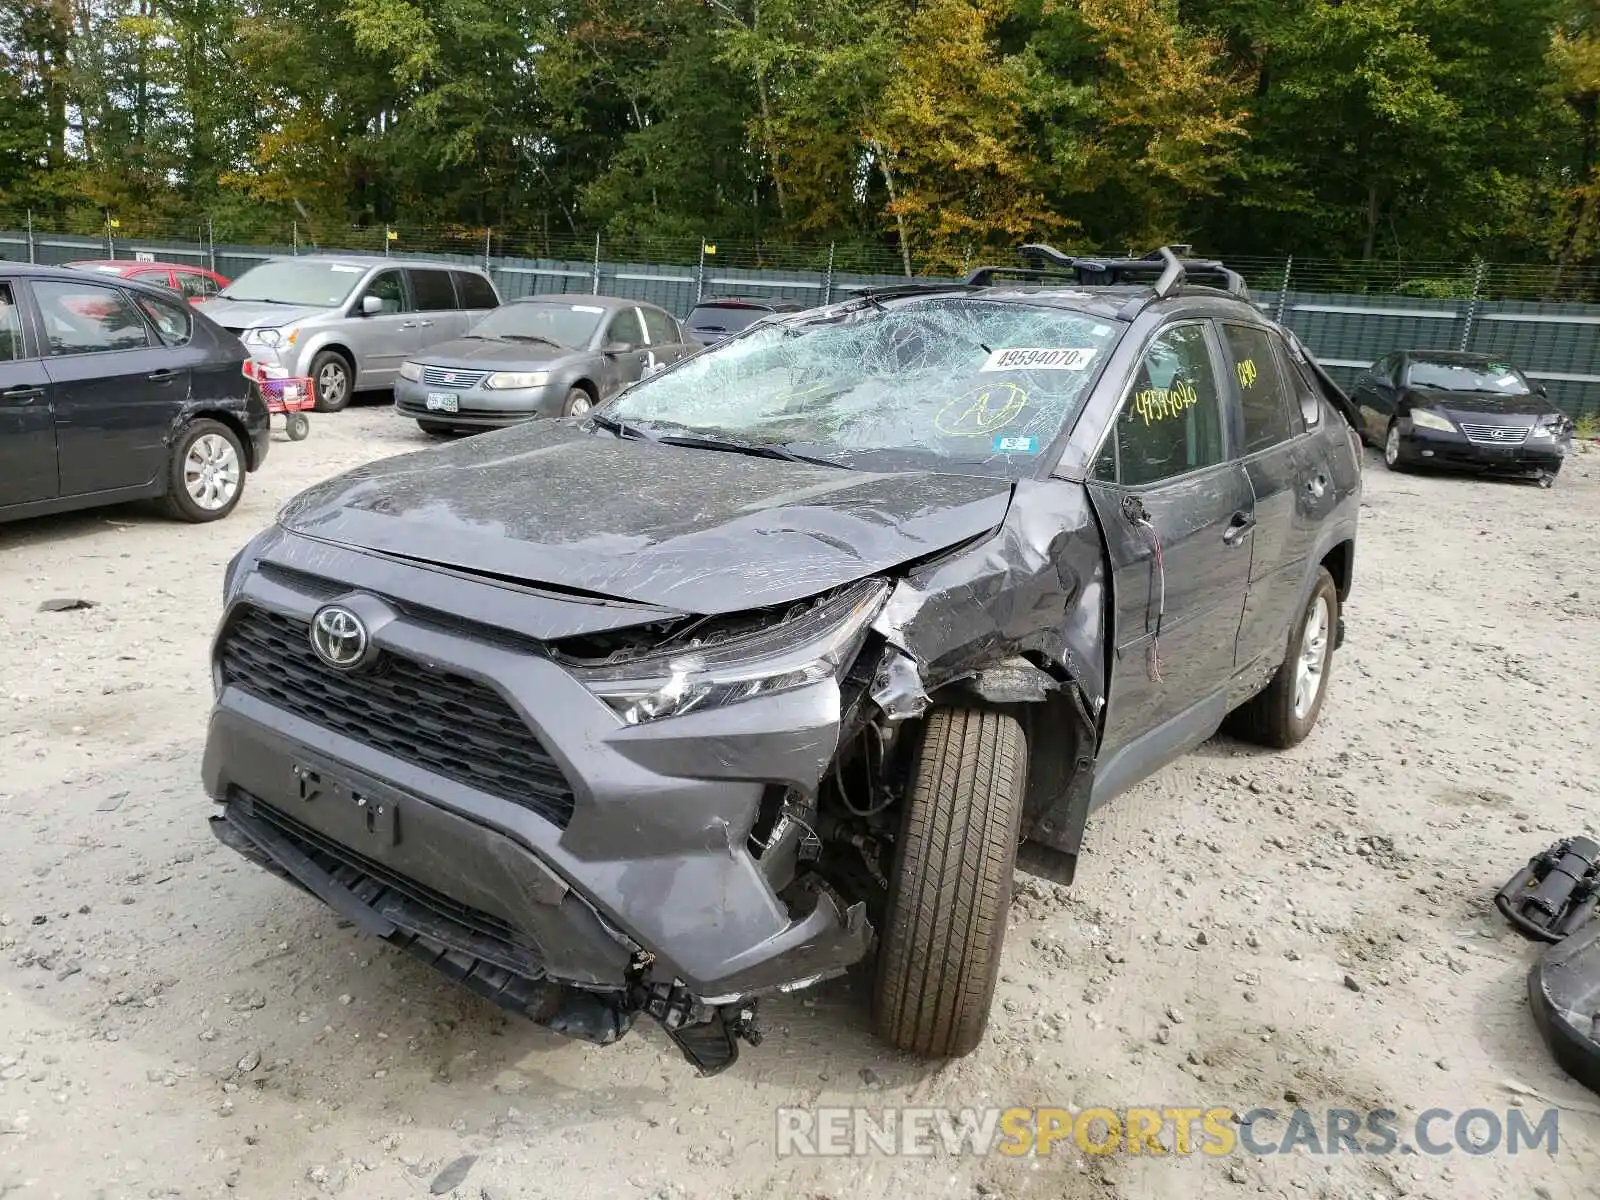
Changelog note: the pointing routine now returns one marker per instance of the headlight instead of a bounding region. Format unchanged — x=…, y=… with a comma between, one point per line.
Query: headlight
x=1550, y=427
x=817, y=645
x=1424, y=419
x=269, y=337
x=411, y=371
x=506, y=380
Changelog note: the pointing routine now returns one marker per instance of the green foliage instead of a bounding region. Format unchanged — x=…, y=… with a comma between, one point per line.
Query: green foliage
x=1344, y=130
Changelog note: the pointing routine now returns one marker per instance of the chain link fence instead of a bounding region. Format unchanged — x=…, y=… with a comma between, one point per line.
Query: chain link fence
x=1544, y=319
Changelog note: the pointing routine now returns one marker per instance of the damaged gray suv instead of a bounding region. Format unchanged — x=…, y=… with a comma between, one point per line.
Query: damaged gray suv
x=779, y=660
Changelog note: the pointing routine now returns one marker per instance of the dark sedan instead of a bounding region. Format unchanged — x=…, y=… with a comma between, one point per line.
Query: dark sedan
x=112, y=390
x=713, y=320
x=1440, y=408
x=543, y=356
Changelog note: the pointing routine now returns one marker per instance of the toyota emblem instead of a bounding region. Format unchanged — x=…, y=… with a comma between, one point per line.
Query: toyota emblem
x=339, y=637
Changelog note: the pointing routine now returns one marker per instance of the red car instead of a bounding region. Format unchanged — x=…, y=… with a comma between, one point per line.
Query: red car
x=193, y=283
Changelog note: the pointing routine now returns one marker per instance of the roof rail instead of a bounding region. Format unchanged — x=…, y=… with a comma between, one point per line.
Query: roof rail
x=1169, y=265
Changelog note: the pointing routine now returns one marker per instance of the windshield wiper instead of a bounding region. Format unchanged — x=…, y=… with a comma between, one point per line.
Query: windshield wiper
x=756, y=449
x=529, y=337
x=622, y=428
x=265, y=300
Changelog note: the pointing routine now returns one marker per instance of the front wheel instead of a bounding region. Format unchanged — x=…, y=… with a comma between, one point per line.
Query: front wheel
x=1282, y=716
x=333, y=383
x=1391, y=449
x=951, y=884
x=205, y=475
x=578, y=402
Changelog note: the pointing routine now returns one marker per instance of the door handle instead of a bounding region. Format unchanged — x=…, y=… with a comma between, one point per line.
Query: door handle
x=25, y=392
x=408, y=324
x=162, y=376
x=1242, y=523
x=425, y=324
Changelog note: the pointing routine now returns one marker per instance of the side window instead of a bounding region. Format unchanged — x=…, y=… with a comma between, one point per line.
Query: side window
x=663, y=330
x=1262, y=394
x=11, y=347
x=1171, y=420
x=85, y=319
x=432, y=290
x=625, y=329
x=474, y=290
x=194, y=286
x=386, y=286
x=160, y=279
x=172, y=321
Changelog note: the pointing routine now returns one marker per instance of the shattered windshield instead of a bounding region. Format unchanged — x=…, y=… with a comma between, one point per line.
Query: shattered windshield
x=927, y=380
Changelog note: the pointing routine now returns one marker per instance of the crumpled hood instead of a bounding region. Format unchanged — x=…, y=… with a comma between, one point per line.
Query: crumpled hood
x=477, y=353
x=693, y=530
x=1472, y=404
x=243, y=314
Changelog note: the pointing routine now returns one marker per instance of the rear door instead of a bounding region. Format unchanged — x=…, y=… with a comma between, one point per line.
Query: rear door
x=666, y=340
x=116, y=388
x=1270, y=434
x=386, y=338
x=1177, y=511
x=27, y=428
x=475, y=296
x=440, y=318
x=628, y=350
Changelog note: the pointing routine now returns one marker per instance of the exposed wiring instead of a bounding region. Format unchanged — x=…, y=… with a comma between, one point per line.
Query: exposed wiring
x=838, y=778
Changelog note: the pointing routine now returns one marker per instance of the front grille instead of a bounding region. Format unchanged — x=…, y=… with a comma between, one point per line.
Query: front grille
x=452, y=378
x=477, y=948
x=443, y=722
x=1496, y=435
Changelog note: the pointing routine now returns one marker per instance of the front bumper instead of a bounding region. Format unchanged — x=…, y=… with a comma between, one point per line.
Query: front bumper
x=478, y=408
x=624, y=867
x=1436, y=447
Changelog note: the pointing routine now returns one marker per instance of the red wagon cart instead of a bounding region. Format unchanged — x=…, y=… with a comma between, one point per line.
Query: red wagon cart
x=287, y=394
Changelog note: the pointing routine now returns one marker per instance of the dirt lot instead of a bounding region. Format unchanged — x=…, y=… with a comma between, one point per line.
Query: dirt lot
x=1246, y=928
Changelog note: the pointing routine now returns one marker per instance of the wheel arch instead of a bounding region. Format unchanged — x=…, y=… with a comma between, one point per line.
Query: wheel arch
x=221, y=416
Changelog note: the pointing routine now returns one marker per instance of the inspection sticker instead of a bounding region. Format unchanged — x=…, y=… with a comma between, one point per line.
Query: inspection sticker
x=1037, y=358
x=1016, y=445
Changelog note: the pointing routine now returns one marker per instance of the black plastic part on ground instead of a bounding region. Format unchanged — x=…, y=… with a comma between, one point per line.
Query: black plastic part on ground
x=1564, y=992
x=1555, y=893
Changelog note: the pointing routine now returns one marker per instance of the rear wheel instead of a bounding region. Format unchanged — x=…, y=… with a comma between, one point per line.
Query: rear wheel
x=951, y=884
x=1284, y=714
x=332, y=380
x=205, y=475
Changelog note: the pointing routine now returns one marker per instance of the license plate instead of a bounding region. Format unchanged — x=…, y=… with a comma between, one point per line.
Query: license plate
x=443, y=402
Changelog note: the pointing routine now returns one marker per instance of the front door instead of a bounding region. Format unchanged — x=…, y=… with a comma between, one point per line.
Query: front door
x=116, y=388
x=27, y=429
x=666, y=342
x=627, y=349
x=1178, y=516
x=384, y=339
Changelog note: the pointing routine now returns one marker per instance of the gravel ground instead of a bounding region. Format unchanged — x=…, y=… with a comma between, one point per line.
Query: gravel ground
x=1247, y=929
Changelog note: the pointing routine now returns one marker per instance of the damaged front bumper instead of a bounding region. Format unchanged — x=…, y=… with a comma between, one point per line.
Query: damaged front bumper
x=473, y=803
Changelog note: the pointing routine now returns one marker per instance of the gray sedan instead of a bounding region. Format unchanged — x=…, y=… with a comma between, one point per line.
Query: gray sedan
x=542, y=356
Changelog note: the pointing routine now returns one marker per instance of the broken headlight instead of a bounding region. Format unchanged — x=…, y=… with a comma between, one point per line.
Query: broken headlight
x=818, y=644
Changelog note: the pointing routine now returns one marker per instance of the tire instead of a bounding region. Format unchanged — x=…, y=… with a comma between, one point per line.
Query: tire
x=298, y=426
x=333, y=381
x=578, y=402
x=1391, y=449
x=205, y=473
x=435, y=428
x=1274, y=718
x=950, y=890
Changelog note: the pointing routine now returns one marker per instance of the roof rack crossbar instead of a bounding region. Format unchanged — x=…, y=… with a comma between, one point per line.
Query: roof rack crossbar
x=1167, y=267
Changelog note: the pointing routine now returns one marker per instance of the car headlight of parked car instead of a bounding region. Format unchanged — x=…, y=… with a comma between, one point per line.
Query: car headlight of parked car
x=269, y=337
x=411, y=371
x=1423, y=419
x=502, y=381
x=1549, y=428
x=816, y=645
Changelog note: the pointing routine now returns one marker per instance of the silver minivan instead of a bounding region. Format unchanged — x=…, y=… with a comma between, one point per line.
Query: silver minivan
x=348, y=323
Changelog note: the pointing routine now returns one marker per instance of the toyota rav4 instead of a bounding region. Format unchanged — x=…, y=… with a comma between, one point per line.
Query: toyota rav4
x=776, y=661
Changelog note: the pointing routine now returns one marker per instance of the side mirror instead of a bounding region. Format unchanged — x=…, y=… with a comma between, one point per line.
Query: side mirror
x=614, y=348
x=1539, y=389
x=371, y=306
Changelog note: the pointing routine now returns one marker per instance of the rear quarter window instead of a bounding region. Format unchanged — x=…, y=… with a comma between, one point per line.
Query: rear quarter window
x=474, y=290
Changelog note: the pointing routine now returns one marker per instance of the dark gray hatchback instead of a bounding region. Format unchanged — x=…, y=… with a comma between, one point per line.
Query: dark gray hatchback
x=779, y=659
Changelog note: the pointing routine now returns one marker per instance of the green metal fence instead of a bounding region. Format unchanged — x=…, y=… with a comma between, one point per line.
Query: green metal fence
x=1349, y=315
